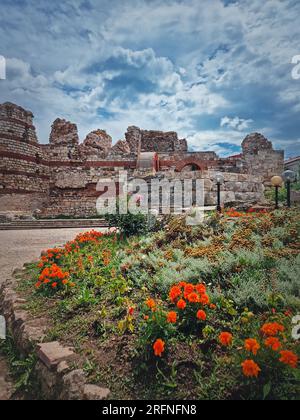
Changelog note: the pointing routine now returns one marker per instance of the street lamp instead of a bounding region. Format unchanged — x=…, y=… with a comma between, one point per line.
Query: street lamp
x=220, y=180
x=289, y=177
x=277, y=182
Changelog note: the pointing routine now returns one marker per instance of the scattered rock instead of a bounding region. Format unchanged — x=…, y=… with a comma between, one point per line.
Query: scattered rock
x=74, y=383
x=63, y=367
x=95, y=393
x=51, y=354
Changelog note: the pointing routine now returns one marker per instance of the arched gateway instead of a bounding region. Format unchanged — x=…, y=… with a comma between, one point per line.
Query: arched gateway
x=190, y=165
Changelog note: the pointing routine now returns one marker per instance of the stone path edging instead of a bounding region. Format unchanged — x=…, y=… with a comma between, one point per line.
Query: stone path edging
x=57, y=380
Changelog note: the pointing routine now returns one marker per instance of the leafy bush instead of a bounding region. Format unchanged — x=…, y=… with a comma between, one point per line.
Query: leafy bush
x=131, y=223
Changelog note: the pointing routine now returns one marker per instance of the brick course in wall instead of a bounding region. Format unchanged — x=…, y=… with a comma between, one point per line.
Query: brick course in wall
x=61, y=177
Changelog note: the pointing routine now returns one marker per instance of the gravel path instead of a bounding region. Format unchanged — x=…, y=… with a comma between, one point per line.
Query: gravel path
x=16, y=248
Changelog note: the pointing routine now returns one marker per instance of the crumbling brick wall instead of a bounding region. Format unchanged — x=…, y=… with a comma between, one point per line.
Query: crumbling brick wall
x=61, y=177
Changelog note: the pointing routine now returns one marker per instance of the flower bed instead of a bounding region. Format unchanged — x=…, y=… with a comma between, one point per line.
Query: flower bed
x=194, y=313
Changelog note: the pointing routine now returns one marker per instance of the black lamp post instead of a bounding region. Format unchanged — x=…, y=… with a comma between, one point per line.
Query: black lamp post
x=277, y=182
x=220, y=181
x=289, y=177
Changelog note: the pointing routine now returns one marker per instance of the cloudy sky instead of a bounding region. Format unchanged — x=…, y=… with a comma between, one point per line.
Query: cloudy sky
x=213, y=70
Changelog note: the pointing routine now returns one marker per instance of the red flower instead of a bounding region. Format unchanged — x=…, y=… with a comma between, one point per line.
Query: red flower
x=131, y=311
x=188, y=289
x=250, y=369
x=193, y=297
x=159, y=347
x=252, y=346
x=181, y=304
x=204, y=299
x=225, y=339
x=289, y=358
x=175, y=292
x=201, y=289
x=272, y=329
x=172, y=317
x=151, y=304
x=201, y=315
x=273, y=343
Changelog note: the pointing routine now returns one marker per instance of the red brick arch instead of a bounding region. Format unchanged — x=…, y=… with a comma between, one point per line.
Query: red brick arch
x=183, y=163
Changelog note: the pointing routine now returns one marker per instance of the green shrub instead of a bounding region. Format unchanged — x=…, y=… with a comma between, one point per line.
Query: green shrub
x=250, y=289
x=129, y=224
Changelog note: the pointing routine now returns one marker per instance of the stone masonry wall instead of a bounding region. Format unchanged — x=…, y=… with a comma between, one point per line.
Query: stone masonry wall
x=61, y=177
x=261, y=158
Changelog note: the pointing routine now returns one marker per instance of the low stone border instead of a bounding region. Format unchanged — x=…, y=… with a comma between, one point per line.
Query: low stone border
x=56, y=379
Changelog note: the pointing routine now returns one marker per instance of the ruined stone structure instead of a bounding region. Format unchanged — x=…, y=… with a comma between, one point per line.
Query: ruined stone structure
x=60, y=178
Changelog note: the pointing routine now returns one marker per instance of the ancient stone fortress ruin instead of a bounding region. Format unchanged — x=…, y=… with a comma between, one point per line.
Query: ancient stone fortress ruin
x=60, y=178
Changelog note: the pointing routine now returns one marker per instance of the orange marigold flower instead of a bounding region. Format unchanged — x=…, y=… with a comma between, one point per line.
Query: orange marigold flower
x=54, y=285
x=201, y=315
x=252, y=345
x=175, y=292
x=65, y=282
x=188, y=289
x=159, y=347
x=225, y=339
x=201, y=289
x=146, y=317
x=272, y=329
x=289, y=358
x=273, y=343
x=250, y=369
x=182, y=284
x=151, y=304
x=38, y=285
x=204, y=299
x=213, y=306
x=172, y=317
x=72, y=285
x=193, y=297
x=181, y=304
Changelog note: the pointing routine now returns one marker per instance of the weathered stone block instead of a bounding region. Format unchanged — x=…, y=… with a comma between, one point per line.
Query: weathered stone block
x=95, y=393
x=51, y=354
